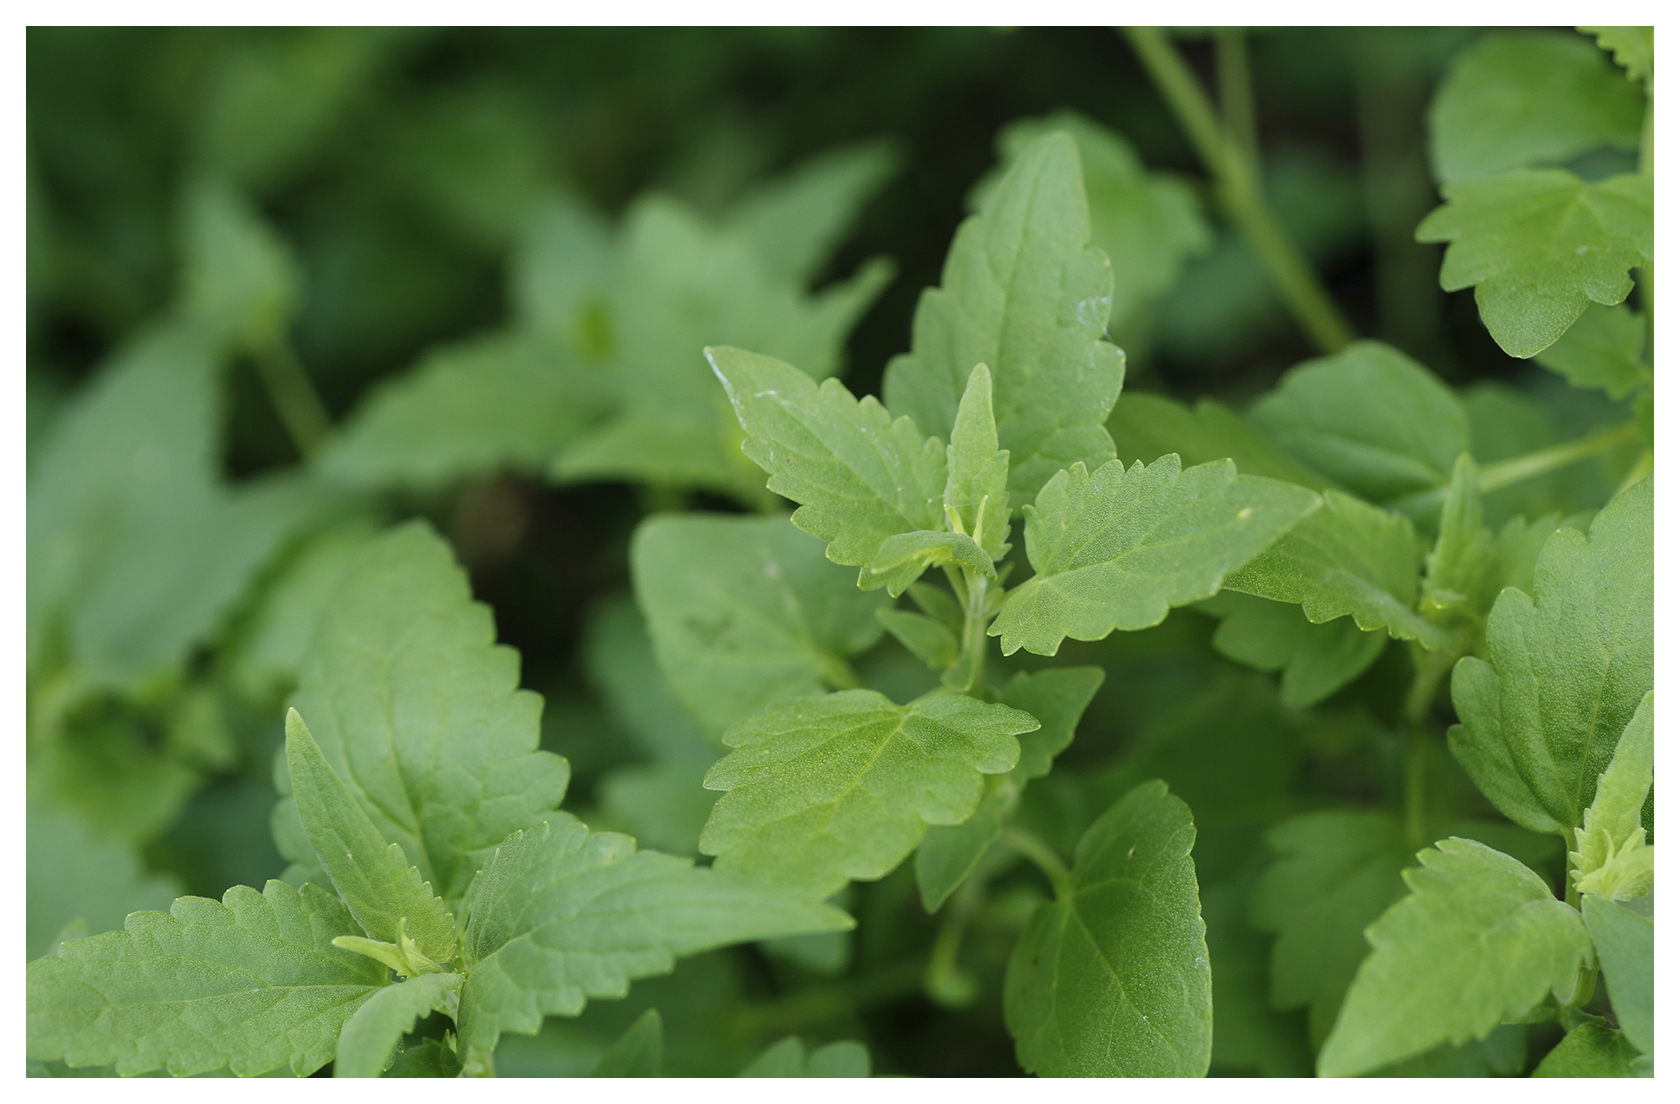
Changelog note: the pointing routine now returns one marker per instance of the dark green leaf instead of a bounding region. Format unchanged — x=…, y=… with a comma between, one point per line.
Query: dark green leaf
x=1316, y=660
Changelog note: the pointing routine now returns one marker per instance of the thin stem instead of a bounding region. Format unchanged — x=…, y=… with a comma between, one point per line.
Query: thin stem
x=1042, y=856
x=1236, y=89
x=1237, y=185
x=946, y=982
x=1428, y=668
x=974, y=633
x=295, y=399
x=1520, y=468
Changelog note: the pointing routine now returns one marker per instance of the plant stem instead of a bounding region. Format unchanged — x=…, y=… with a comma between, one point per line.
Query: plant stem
x=1520, y=468
x=1042, y=856
x=974, y=633
x=1236, y=89
x=1237, y=184
x=1428, y=668
x=294, y=397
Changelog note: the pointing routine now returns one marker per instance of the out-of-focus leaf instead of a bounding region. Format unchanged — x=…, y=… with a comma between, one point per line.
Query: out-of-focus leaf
x=794, y=221
x=1632, y=47
x=1316, y=660
x=1602, y=349
x=1147, y=427
x=72, y=874
x=789, y=1058
x=1625, y=942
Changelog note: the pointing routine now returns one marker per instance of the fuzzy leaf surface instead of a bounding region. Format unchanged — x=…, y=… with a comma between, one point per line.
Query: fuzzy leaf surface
x=373, y=1032
x=419, y=712
x=1613, y=860
x=562, y=915
x=1539, y=245
x=860, y=477
x=744, y=611
x=1480, y=938
x=252, y=983
x=1565, y=672
x=1593, y=1049
x=827, y=789
x=1118, y=548
x=1024, y=293
x=1113, y=981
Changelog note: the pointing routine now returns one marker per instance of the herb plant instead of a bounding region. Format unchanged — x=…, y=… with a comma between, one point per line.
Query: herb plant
x=1317, y=735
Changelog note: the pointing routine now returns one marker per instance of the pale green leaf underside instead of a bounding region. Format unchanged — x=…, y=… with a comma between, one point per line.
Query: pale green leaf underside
x=1565, y=672
x=1116, y=549
x=1539, y=245
x=562, y=915
x=1316, y=660
x=419, y=712
x=382, y=891
x=1347, y=558
x=1480, y=938
x=859, y=476
x=1025, y=294
x=744, y=611
x=373, y=1032
x=252, y=983
x=823, y=790
x=1114, y=982
x=789, y=1058
x=1626, y=942
x=1602, y=349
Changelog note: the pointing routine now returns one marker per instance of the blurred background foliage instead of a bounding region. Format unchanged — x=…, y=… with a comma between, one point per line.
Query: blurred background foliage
x=253, y=247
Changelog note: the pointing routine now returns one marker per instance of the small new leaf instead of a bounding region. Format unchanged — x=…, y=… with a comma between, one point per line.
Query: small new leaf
x=1118, y=548
x=977, y=471
x=1613, y=860
x=373, y=1032
x=903, y=557
x=822, y=790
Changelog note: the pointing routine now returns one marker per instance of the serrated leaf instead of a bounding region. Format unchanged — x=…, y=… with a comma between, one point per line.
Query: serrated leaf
x=639, y=1052
x=949, y=853
x=859, y=476
x=419, y=712
x=1516, y=99
x=1479, y=938
x=1632, y=47
x=1625, y=942
x=1611, y=840
x=794, y=221
x=1539, y=245
x=561, y=915
x=1592, y=1049
x=788, y=1058
x=1057, y=698
x=382, y=891
x=373, y=1032
x=251, y=983
x=1316, y=659
x=72, y=874
x=1335, y=872
x=826, y=789
x=1118, y=548
x=1601, y=349
x=744, y=611
x=977, y=471
x=471, y=409
x=1565, y=672
x=928, y=640
x=1112, y=979
x=1371, y=418
x=1146, y=427
x=1024, y=293
x=1347, y=558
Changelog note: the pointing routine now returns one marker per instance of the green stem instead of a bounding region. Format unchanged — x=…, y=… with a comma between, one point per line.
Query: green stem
x=1508, y=472
x=1237, y=184
x=974, y=633
x=295, y=399
x=946, y=982
x=1042, y=856
x=1428, y=668
x=1236, y=89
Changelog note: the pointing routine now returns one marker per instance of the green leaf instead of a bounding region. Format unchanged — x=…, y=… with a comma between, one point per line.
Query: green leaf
x=1146, y=427
x=252, y=983
x=1374, y=420
x=1147, y=224
x=826, y=789
x=561, y=274
x=788, y=1058
x=1539, y=245
x=794, y=221
x=1118, y=548
x=1593, y=1049
x=419, y=712
x=1479, y=939
x=977, y=471
x=903, y=557
x=561, y=915
x=1316, y=659
x=663, y=804
x=928, y=640
x=383, y=892
x=1456, y=570
x=466, y=410
x=1249, y=1035
x=1348, y=558
x=240, y=282
x=1335, y=872
x=72, y=874
x=1613, y=860
x=949, y=853
x=365, y=1045
x=1632, y=47
x=744, y=611
x=1111, y=979
x=639, y=1052
x=1516, y=99
x=1024, y=293
x=1602, y=349
x=1566, y=670
x=1625, y=942
x=859, y=476
x=1057, y=697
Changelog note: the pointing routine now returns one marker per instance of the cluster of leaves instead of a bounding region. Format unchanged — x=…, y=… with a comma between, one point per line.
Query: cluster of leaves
x=1245, y=873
